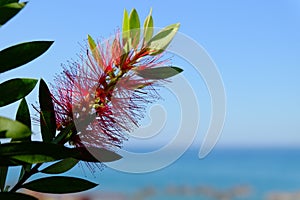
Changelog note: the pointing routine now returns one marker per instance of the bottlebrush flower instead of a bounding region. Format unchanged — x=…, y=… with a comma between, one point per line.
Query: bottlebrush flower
x=106, y=92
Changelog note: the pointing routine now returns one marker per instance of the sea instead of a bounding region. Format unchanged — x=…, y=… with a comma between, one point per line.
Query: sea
x=225, y=174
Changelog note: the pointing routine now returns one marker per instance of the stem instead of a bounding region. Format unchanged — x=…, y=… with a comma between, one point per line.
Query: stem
x=27, y=175
x=114, y=81
x=59, y=139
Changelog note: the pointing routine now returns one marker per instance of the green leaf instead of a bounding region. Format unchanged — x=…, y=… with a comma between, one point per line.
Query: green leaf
x=8, y=11
x=15, y=89
x=162, y=39
x=4, y=2
x=95, y=51
x=47, y=114
x=93, y=154
x=23, y=116
x=34, y=158
x=33, y=152
x=134, y=26
x=16, y=196
x=125, y=27
x=20, y=54
x=5, y=162
x=91, y=42
x=159, y=72
x=3, y=174
x=39, y=152
x=13, y=129
x=64, y=135
x=61, y=166
x=59, y=185
x=148, y=27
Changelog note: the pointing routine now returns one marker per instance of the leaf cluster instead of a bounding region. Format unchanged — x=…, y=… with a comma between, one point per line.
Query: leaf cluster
x=21, y=150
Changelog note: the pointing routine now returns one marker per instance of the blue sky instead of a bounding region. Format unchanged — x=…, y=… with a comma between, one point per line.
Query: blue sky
x=255, y=45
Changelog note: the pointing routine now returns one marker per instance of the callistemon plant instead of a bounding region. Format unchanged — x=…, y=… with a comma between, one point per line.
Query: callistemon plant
x=106, y=91
x=91, y=107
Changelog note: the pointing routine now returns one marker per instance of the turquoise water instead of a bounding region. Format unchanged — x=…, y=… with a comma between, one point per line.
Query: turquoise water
x=224, y=174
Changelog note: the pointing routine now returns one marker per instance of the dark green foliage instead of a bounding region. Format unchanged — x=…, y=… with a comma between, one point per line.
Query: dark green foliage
x=8, y=9
x=47, y=115
x=20, y=54
x=15, y=196
x=159, y=72
x=59, y=185
x=15, y=89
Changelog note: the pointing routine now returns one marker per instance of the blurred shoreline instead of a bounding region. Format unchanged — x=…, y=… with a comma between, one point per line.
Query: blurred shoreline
x=171, y=192
x=152, y=192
